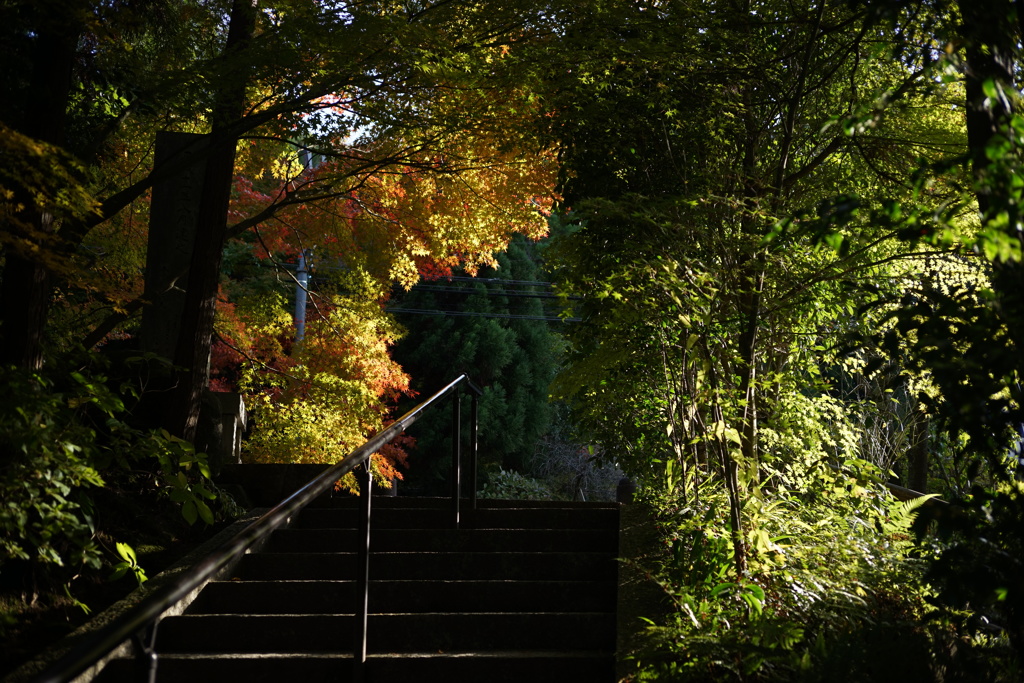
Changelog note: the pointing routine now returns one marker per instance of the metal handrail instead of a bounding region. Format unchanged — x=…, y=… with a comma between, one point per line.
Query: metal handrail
x=145, y=616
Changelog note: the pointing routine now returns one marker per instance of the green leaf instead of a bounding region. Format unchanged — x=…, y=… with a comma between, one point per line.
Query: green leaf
x=126, y=552
x=753, y=602
x=721, y=588
x=998, y=147
x=204, y=492
x=990, y=88
x=189, y=512
x=204, y=512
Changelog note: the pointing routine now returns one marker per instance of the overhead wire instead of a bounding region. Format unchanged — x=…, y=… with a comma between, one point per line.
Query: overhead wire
x=473, y=314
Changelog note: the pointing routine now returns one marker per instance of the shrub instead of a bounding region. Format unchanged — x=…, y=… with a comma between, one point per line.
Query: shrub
x=47, y=468
x=834, y=589
x=511, y=485
x=60, y=430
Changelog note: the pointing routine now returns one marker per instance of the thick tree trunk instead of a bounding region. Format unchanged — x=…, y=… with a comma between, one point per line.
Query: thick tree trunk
x=193, y=348
x=990, y=51
x=26, y=288
x=173, y=218
x=25, y=301
x=991, y=47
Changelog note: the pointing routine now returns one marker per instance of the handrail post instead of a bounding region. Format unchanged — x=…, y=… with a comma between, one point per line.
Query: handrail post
x=146, y=656
x=474, y=447
x=456, y=454
x=365, y=476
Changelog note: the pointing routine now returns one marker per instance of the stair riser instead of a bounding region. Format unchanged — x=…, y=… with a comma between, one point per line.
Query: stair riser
x=592, y=669
x=384, y=501
x=337, y=597
x=454, y=566
x=436, y=540
x=517, y=594
x=596, y=669
x=387, y=633
x=486, y=518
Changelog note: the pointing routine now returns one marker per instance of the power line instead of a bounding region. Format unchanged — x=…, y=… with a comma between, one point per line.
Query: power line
x=488, y=292
x=470, y=314
x=494, y=280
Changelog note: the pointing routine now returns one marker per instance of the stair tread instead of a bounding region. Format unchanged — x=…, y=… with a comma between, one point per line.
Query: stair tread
x=435, y=553
x=483, y=654
x=484, y=518
x=445, y=502
x=448, y=539
x=524, y=592
x=373, y=582
x=432, y=565
x=424, y=614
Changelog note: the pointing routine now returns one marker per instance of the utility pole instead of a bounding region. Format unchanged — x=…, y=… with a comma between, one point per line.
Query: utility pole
x=301, y=293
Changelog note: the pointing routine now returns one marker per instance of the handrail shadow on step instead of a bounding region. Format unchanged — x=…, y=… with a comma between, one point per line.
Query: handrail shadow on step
x=140, y=623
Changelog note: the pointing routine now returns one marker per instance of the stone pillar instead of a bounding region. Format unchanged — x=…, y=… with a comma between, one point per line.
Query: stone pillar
x=173, y=217
x=222, y=422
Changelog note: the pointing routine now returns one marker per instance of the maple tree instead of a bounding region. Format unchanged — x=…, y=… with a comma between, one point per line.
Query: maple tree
x=415, y=116
x=330, y=390
x=420, y=167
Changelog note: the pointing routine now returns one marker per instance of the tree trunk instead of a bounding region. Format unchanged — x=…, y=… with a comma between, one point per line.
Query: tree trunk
x=917, y=477
x=193, y=348
x=730, y=473
x=26, y=288
x=173, y=217
x=990, y=57
x=991, y=46
x=751, y=311
x=25, y=301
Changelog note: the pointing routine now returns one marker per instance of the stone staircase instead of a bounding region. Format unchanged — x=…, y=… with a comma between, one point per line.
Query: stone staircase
x=527, y=592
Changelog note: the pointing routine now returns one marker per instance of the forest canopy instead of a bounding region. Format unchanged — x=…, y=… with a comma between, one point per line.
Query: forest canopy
x=788, y=237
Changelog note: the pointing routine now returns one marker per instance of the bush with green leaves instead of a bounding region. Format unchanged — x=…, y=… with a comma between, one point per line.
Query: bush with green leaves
x=46, y=469
x=833, y=591
x=512, y=485
x=979, y=580
x=63, y=432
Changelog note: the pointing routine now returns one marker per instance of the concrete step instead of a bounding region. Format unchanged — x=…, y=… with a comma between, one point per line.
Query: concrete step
x=267, y=485
x=474, y=667
x=379, y=500
x=596, y=566
x=433, y=632
x=585, y=505
x=484, y=518
x=435, y=540
x=500, y=667
x=527, y=594
x=331, y=597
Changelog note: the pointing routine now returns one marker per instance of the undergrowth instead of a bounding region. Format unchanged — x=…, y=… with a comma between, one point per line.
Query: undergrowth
x=834, y=590
x=91, y=499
